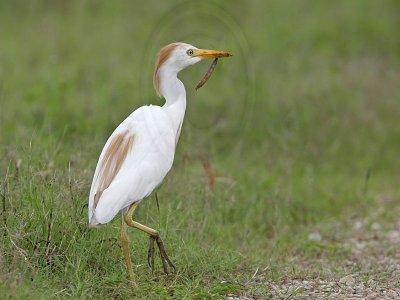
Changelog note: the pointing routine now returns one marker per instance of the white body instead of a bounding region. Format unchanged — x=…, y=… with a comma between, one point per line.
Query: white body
x=140, y=152
x=156, y=134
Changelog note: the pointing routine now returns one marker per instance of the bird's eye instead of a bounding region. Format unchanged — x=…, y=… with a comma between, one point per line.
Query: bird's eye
x=190, y=52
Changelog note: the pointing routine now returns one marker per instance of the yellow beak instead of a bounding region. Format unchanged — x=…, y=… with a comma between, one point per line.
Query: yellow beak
x=208, y=54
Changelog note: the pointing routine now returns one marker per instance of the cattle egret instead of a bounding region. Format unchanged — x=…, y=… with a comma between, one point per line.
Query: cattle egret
x=140, y=152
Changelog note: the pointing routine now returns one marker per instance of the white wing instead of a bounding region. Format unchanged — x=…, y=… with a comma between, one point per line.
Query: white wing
x=134, y=161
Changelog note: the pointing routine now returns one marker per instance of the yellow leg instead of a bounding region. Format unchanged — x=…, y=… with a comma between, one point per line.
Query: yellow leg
x=154, y=236
x=125, y=250
x=129, y=220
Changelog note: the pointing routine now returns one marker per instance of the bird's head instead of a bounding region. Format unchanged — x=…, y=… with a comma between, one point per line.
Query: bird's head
x=178, y=56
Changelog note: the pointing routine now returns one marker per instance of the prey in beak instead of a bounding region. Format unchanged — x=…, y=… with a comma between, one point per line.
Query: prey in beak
x=209, y=54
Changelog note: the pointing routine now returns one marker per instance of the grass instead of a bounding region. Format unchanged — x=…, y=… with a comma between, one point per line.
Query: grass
x=301, y=127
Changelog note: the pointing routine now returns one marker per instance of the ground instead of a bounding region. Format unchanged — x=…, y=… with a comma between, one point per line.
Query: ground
x=285, y=180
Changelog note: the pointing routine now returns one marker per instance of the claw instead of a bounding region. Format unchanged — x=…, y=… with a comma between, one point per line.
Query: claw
x=166, y=262
x=164, y=256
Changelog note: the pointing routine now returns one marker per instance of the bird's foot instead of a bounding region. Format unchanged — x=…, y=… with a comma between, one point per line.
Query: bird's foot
x=167, y=263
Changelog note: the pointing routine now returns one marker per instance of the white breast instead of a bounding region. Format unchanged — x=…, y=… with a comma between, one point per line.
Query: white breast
x=145, y=166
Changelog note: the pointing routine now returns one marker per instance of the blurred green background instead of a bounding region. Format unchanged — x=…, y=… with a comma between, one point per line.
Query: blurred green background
x=301, y=126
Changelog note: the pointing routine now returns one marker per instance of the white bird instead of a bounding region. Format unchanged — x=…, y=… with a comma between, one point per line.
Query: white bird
x=140, y=152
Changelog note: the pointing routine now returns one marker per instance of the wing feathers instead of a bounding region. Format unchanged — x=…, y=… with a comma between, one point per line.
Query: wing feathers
x=112, y=161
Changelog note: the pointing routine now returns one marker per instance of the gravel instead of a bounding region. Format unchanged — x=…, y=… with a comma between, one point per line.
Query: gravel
x=370, y=268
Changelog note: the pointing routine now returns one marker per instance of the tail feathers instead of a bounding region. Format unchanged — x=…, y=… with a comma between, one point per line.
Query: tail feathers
x=93, y=223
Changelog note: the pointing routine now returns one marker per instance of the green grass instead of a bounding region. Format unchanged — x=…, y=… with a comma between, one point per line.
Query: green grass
x=301, y=126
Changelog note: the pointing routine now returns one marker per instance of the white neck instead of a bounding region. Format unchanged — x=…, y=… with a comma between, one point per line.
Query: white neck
x=173, y=90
